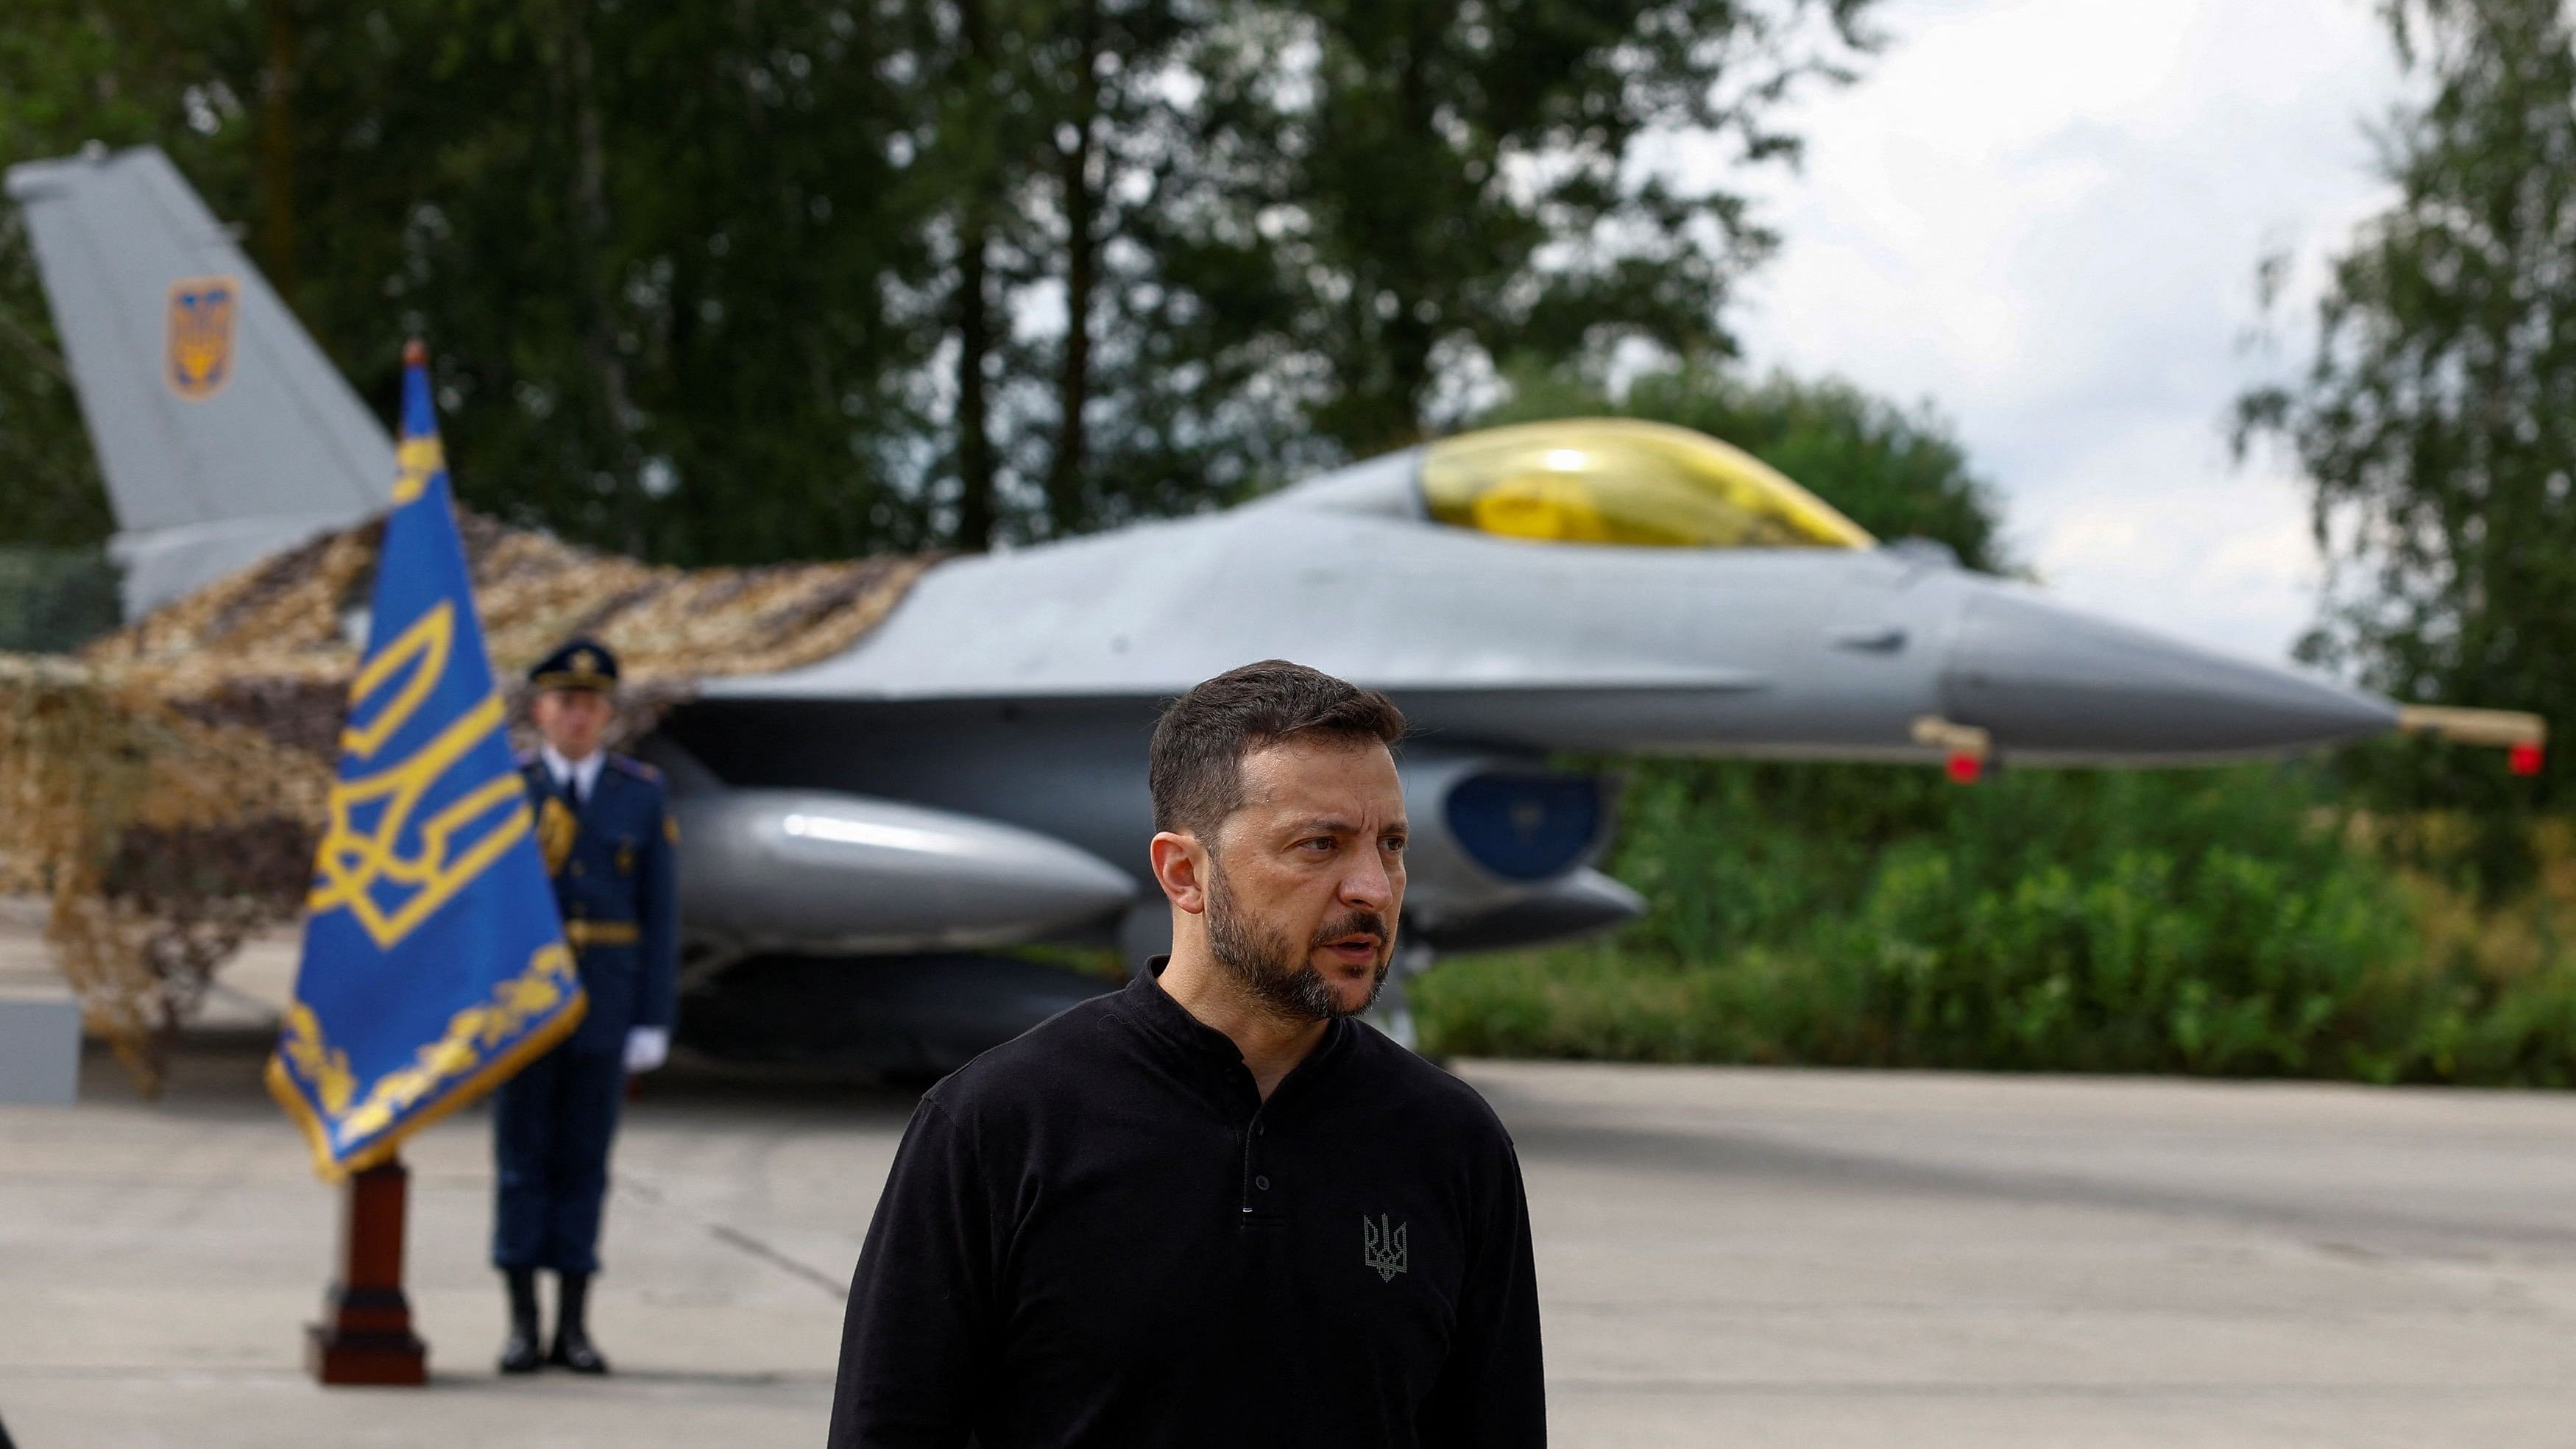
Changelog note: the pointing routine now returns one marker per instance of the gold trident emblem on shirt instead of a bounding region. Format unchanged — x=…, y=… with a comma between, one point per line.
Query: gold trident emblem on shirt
x=448, y=849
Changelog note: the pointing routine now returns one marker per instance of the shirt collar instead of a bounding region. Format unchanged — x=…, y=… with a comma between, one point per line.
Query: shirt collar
x=582, y=773
x=1153, y=1009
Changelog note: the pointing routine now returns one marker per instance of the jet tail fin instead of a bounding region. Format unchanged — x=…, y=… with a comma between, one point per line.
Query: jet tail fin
x=224, y=431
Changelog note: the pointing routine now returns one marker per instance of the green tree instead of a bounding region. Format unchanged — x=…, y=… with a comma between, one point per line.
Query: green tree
x=664, y=253
x=718, y=282
x=2434, y=419
x=56, y=89
x=1434, y=185
x=49, y=486
x=1042, y=138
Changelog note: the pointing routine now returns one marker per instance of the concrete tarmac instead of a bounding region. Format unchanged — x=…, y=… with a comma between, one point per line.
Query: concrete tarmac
x=1726, y=1257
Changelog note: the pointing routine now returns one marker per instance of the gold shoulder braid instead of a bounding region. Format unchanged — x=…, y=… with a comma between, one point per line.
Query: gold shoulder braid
x=555, y=830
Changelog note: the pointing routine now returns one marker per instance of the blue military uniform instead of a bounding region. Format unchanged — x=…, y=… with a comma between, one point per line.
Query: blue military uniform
x=613, y=860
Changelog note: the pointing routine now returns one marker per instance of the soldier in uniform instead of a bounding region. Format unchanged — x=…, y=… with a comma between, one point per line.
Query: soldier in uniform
x=609, y=844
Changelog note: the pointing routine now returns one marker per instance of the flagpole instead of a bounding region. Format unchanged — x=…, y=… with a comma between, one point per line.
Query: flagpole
x=365, y=1335
x=366, y=1054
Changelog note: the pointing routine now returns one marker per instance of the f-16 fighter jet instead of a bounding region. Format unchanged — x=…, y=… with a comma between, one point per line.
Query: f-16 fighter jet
x=971, y=773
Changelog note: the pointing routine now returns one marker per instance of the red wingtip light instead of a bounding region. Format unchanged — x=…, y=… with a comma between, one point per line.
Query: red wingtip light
x=2524, y=759
x=1964, y=769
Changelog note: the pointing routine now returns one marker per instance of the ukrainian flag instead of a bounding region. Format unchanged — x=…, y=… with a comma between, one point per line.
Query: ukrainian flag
x=434, y=963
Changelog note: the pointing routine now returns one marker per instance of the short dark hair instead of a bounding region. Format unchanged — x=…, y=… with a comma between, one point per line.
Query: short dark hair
x=1196, y=768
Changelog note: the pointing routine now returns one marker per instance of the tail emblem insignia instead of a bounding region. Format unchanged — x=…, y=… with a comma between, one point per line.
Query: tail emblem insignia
x=201, y=335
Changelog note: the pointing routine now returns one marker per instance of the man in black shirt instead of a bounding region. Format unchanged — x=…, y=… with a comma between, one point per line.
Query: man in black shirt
x=1212, y=1209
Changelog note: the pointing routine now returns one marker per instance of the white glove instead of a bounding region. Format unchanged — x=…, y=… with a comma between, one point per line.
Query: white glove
x=647, y=1047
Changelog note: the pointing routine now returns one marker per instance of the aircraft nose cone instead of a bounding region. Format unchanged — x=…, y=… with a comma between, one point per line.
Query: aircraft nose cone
x=2047, y=679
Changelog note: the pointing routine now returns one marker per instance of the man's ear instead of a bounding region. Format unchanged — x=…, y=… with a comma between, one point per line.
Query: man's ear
x=1180, y=868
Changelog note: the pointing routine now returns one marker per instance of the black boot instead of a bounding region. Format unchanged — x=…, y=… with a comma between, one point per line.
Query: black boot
x=572, y=1337
x=519, y=1355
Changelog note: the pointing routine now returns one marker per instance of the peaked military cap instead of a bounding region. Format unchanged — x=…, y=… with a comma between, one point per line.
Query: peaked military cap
x=580, y=664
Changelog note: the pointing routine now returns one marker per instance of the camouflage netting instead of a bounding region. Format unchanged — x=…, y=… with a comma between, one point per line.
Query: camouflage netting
x=165, y=789
x=161, y=842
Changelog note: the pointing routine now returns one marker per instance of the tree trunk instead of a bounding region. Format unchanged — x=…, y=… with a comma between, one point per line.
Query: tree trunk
x=1081, y=279
x=277, y=151
x=974, y=435
x=1409, y=336
x=975, y=502
x=599, y=337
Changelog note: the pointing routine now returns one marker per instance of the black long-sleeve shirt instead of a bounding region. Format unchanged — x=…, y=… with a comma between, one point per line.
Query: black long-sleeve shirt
x=1100, y=1235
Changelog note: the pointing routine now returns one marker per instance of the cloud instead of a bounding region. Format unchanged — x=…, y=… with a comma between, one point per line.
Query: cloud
x=2044, y=216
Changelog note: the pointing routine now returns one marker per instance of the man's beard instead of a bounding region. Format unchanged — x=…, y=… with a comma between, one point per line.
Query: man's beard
x=1272, y=967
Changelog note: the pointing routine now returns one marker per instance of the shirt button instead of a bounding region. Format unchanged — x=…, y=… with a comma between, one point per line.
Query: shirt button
x=1262, y=1183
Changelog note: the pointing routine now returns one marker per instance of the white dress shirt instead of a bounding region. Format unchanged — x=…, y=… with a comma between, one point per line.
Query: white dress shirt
x=582, y=773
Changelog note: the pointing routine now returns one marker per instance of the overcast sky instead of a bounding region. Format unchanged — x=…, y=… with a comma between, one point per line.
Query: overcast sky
x=2044, y=216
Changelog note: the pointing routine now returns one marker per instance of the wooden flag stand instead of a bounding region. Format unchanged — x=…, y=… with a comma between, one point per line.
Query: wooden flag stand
x=365, y=1336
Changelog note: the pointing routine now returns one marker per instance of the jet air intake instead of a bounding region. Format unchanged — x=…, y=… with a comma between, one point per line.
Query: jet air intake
x=1525, y=825
x=1494, y=833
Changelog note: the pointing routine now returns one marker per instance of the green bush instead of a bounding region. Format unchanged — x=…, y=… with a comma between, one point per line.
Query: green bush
x=2205, y=922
